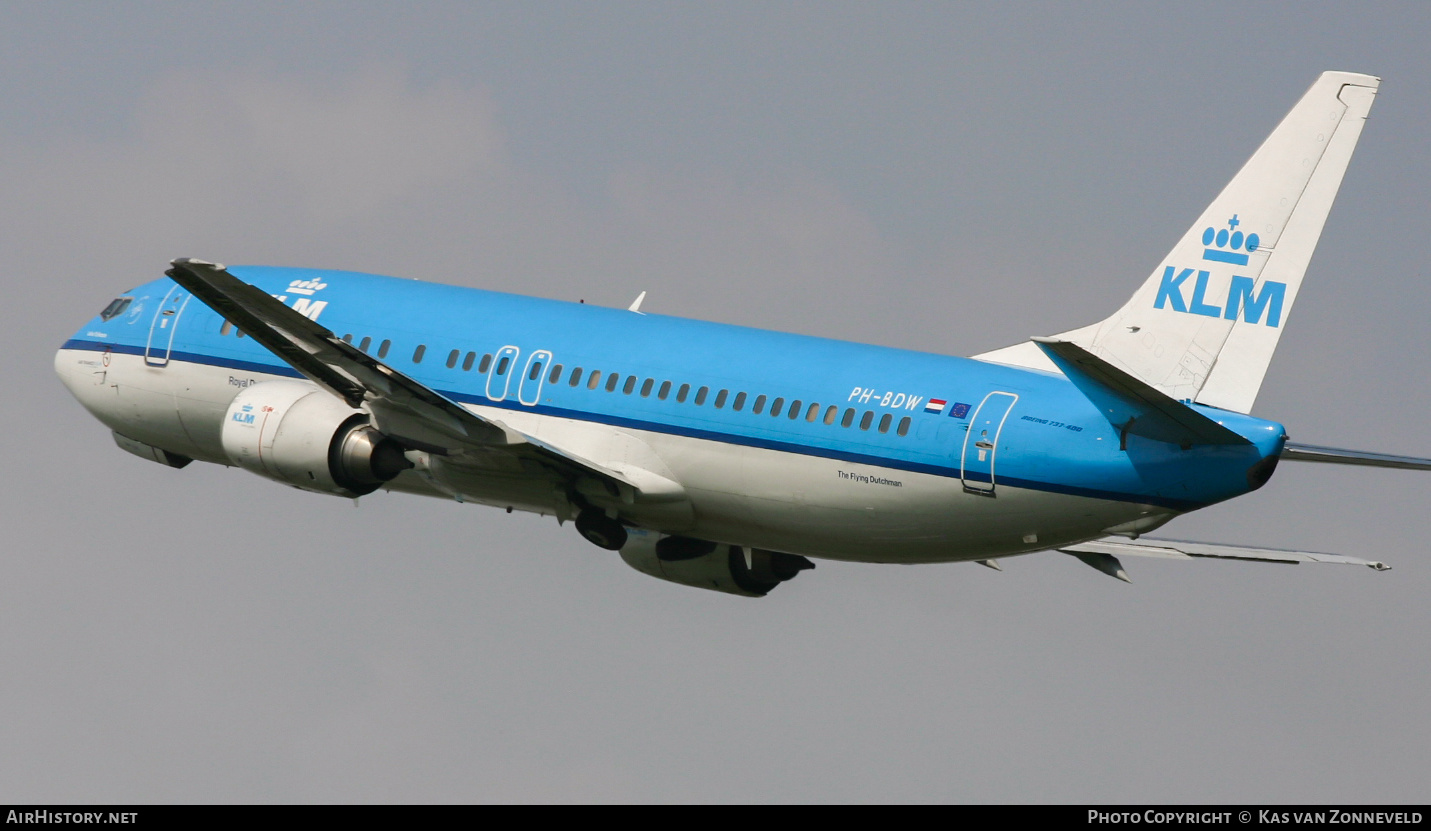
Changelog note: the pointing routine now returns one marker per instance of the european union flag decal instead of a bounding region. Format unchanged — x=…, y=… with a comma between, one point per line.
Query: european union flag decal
x=959, y=410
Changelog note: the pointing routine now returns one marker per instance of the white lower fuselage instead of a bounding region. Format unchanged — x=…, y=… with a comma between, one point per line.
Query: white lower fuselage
x=752, y=496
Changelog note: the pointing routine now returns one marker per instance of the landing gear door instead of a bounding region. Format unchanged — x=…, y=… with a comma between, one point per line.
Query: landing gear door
x=161, y=329
x=981, y=443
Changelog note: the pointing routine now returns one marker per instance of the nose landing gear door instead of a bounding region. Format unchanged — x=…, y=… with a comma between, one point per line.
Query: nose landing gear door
x=976, y=466
x=162, y=328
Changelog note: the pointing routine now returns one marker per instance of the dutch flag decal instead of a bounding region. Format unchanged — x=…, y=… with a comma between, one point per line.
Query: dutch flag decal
x=935, y=405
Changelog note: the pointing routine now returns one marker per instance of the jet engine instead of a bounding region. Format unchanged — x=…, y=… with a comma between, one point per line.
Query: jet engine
x=298, y=434
x=733, y=569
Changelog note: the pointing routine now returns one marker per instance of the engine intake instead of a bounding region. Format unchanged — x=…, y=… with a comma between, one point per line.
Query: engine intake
x=295, y=433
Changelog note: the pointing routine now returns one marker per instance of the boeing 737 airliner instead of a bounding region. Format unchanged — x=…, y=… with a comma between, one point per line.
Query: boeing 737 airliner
x=723, y=457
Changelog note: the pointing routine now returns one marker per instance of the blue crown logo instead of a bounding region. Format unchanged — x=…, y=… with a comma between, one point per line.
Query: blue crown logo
x=1230, y=244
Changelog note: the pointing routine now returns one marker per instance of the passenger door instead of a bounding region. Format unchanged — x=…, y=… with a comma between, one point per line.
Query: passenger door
x=981, y=443
x=162, y=328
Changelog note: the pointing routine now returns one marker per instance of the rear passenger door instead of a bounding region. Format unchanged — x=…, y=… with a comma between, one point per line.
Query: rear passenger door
x=981, y=443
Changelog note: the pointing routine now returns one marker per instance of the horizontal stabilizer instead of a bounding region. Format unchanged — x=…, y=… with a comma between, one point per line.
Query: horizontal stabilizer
x=1179, y=550
x=1338, y=456
x=1131, y=405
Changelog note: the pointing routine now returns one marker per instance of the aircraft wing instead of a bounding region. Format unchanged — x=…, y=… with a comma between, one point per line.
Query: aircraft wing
x=1103, y=554
x=401, y=407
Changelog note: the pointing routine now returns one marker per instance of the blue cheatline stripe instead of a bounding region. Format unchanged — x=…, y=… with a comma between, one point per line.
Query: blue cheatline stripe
x=191, y=357
x=678, y=430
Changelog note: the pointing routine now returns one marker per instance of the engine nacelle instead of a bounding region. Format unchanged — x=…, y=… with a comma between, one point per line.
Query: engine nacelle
x=298, y=434
x=733, y=569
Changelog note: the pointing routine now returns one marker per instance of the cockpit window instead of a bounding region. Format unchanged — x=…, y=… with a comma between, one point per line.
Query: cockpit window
x=115, y=307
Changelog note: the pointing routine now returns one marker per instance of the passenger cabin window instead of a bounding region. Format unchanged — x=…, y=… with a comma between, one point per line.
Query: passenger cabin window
x=664, y=391
x=720, y=398
x=848, y=419
x=646, y=387
x=383, y=348
x=348, y=338
x=418, y=353
x=813, y=414
x=224, y=329
x=701, y=395
x=682, y=393
x=556, y=374
x=468, y=361
x=238, y=333
x=775, y=407
x=904, y=426
x=739, y=403
x=794, y=409
x=759, y=406
x=594, y=380
x=866, y=420
x=452, y=358
x=630, y=384
x=831, y=413
x=611, y=381
x=486, y=363
x=503, y=364
x=536, y=371
x=366, y=342
x=575, y=377
x=884, y=422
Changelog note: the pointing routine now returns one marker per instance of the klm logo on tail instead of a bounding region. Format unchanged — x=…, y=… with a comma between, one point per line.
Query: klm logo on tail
x=1231, y=246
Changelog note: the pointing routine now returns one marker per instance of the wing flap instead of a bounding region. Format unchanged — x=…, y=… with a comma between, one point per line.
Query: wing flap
x=1182, y=550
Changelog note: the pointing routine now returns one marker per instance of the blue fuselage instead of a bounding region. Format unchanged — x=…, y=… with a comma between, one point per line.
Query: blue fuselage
x=864, y=412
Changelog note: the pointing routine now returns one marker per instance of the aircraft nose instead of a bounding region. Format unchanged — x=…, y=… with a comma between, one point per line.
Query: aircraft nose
x=83, y=362
x=77, y=367
x=85, y=369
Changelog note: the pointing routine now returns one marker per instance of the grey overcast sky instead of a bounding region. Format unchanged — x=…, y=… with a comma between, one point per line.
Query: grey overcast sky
x=939, y=176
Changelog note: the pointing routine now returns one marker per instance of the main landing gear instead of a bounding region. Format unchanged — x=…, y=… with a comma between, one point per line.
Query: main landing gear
x=601, y=530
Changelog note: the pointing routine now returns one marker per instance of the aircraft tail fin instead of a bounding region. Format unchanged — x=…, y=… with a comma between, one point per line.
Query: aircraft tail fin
x=1205, y=324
